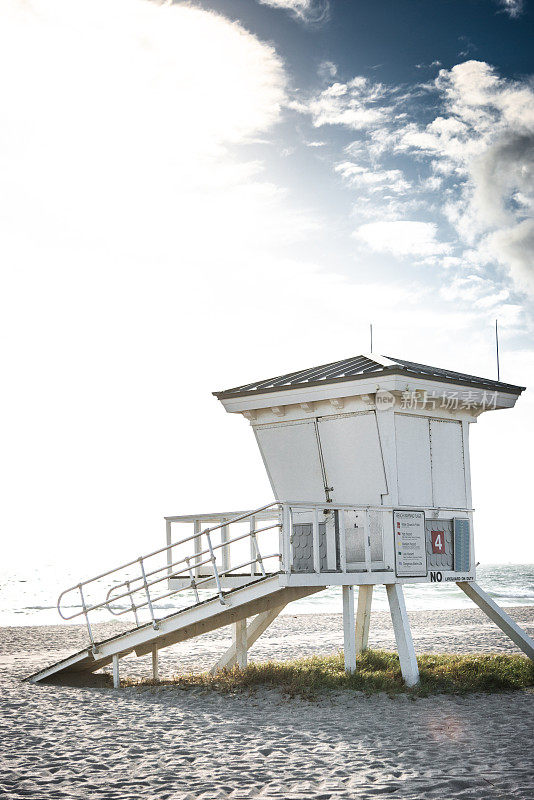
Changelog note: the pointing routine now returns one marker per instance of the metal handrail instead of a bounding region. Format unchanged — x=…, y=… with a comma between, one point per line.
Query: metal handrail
x=190, y=562
x=168, y=547
x=197, y=583
x=176, y=573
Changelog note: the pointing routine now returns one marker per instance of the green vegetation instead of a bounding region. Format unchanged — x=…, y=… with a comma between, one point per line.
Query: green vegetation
x=377, y=671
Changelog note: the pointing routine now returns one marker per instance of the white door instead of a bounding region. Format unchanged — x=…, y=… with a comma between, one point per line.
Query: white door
x=413, y=460
x=352, y=458
x=448, y=469
x=291, y=455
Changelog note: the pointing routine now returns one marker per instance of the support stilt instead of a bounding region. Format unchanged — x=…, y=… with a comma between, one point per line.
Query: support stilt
x=155, y=663
x=116, y=675
x=363, y=616
x=239, y=636
x=403, y=634
x=499, y=617
x=349, y=633
x=259, y=625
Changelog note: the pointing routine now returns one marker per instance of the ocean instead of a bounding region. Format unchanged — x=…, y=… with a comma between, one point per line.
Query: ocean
x=30, y=598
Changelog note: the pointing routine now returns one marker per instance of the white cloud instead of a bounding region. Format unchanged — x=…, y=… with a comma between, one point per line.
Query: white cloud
x=357, y=104
x=402, y=238
x=492, y=141
x=431, y=184
x=308, y=11
x=476, y=95
x=428, y=66
x=141, y=141
x=504, y=172
x=514, y=8
x=374, y=181
x=514, y=247
x=450, y=138
x=479, y=146
x=475, y=289
x=326, y=70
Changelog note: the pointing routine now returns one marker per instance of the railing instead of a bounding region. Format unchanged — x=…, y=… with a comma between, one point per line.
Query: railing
x=223, y=521
x=340, y=520
x=187, y=567
x=344, y=538
x=355, y=538
x=314, y=538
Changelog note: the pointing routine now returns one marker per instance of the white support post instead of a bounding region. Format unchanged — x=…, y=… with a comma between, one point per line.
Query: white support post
x=363, y=616
x=225, y=554
x=330, y=530
x=288, y=538
x=258, y=626
x=197, y=546
x=499, y=617
x=168, y=536
x=239, y=636
x=367, y=539
x=388, y=541
x=403, y=634
x=316, y=541
x=468, y=491
x=253, y=563
x=155, y=663
x=342, y=540
x=349, y=633
x=116, y=675
x=467, y=463
x=285, y=538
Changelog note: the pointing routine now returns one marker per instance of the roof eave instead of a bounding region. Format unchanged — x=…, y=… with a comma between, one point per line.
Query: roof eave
x=480, y=384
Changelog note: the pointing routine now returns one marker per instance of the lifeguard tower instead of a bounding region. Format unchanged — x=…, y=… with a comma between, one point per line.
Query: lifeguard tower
x=368, y=460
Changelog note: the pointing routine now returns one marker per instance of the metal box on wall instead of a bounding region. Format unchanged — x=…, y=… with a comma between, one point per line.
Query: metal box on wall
x=462, y=549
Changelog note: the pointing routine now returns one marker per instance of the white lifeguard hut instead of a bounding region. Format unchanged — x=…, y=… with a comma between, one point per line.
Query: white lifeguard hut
x=372, y=456
x=368, y=460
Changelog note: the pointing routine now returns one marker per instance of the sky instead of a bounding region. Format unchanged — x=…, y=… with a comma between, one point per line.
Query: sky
x=198, y=195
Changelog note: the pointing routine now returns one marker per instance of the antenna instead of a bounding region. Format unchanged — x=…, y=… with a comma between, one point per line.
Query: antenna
x=497, y=348
x=371, y=332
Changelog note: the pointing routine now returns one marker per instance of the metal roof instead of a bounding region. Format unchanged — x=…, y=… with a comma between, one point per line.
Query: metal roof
x=360, y=367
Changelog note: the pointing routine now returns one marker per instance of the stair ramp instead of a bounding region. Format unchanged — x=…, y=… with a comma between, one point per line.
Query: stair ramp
x=195, y=572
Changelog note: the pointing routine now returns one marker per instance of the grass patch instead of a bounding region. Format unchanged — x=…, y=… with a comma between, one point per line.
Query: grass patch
x=376, y=671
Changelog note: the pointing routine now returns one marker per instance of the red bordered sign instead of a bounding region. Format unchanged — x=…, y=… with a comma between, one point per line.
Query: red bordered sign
x=438, y=542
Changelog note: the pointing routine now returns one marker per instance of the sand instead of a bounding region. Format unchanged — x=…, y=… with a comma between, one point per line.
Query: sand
x=164, y=742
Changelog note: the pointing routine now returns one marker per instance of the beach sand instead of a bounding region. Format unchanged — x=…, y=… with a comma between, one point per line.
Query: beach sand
x=163, y=742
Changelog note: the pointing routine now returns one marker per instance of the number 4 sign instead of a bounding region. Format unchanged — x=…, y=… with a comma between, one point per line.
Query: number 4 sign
x=438, y=541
